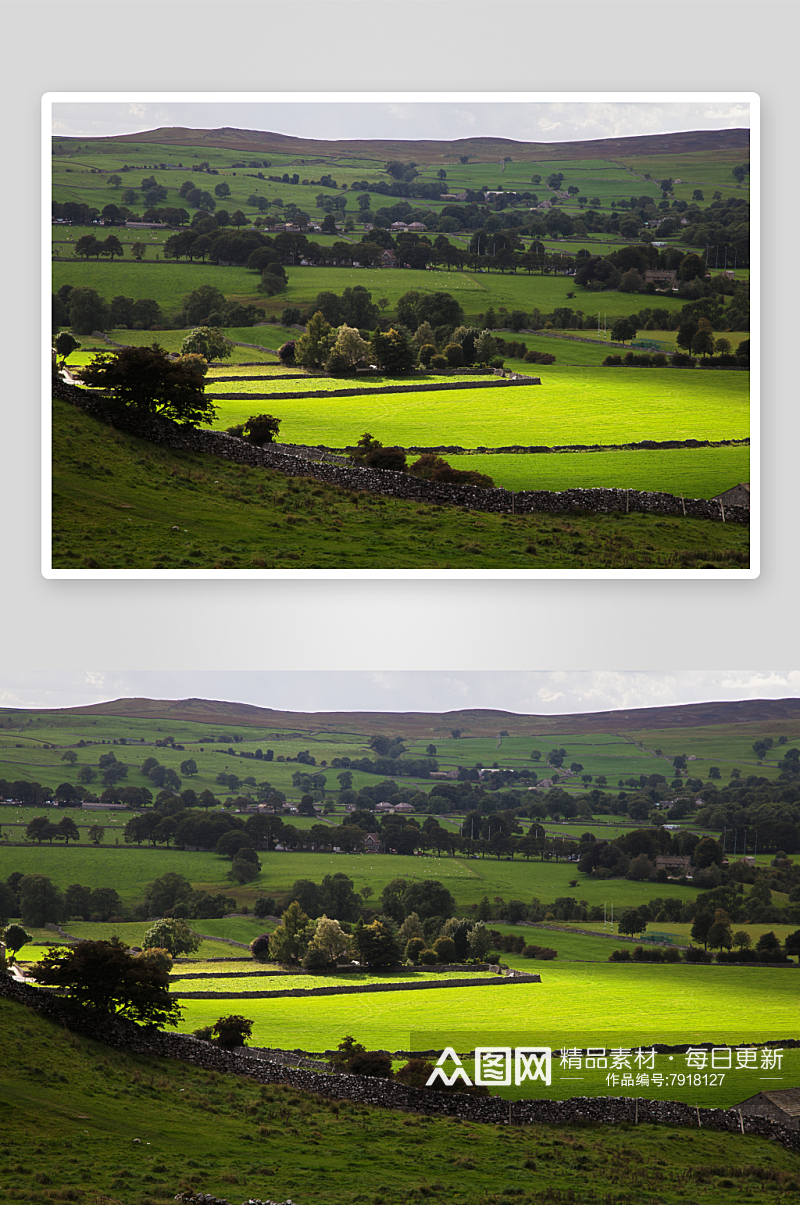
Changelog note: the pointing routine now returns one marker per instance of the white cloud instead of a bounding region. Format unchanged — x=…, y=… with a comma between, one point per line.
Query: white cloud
x=526, y=692
x=545, y=121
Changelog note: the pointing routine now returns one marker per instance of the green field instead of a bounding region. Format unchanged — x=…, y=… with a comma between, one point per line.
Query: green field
x=129, y=869
x=571, y=406
x=575, y=1005
x=232, y=1137
x=695, y=473
x=168, y=284
x=173, y=510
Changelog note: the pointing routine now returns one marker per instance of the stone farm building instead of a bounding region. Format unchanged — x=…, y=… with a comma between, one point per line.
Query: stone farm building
x=781, y=1105
x=737, y=495
x=674, y=865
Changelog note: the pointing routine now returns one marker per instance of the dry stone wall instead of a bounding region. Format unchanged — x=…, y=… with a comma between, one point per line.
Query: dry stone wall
x=492, y=1110
x=381, y=389
x=383, y=481
x=352, y=988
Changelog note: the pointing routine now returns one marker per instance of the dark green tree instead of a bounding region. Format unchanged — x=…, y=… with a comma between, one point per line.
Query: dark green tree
x=102, y=975
x=261, y=429
x=88, y=311
x=393, y=351
x=376, y=945
x=15, y=937
x=623, y=330
x=41, y=902
x=144, y=378
x=173, y=935
x=230, y=1032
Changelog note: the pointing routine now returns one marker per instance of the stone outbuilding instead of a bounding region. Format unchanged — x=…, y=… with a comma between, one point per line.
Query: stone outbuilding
x=781, y=1105
x=737, y=495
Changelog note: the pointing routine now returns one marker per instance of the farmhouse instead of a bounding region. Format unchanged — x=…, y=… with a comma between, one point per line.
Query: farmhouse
x=674, y=864
x=372, y=843
x=781, y=1105
x=661, y=278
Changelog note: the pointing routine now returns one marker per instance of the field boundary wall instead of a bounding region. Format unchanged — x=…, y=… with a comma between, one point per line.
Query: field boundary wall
x=349, y=989
x=360, y=390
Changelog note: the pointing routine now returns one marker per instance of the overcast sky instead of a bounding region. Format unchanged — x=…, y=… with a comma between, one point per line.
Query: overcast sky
x=453, y=116
x=522, y=691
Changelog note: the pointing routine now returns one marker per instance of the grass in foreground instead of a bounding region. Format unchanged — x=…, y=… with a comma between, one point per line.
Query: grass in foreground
x=120, y=502
x=230, y=1136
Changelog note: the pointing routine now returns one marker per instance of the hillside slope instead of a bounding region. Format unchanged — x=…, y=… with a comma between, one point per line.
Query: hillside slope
x=427, y=151
x=471, y=721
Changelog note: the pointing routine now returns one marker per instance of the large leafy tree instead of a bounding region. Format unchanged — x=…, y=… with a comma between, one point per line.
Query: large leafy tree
x=208, y=342
x=313, y=348
x=88, y=311
x=102, y=975
x=393, y=351
x=290, y=940
x=328, y=943
x=173, y=935
x=375, y=944
x=145, y=378
x=41, y=902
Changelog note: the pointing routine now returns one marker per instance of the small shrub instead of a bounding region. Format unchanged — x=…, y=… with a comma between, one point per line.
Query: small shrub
x=259, y=947
x=438, y=362
x=545, y=953
x=445, y=949
x=393, y=459
x=261, y=428
x=414, y=948
x=435, y=468
x=620, y=956
x=695, y=954
x=230, y=1032
x=377, y=1063
x=415, y=1073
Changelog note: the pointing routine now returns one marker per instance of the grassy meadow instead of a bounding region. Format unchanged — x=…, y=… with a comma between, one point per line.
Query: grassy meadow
x=572, y=405
x=693, y=472
x=476, y=291
x=232, y=1137
x=120, y=502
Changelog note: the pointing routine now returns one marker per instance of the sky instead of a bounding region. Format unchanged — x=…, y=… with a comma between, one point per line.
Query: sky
x=527, y=692
x=395, y=116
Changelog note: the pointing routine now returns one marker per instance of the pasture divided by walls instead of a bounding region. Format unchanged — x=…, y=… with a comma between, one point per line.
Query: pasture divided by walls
x=396, y=485
x=490, y=1110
